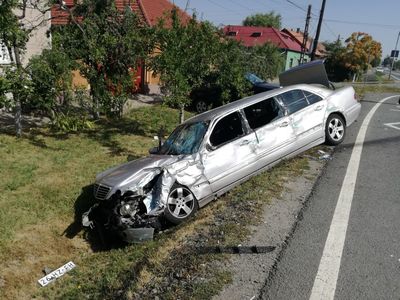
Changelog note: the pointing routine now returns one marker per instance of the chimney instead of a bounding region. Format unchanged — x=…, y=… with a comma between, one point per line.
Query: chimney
x=298, y=30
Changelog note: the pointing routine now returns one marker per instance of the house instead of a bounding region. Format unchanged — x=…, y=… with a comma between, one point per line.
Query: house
x=252, y=36
x=149, y=11
x=39, y=24
x=298, y=36
x=4, y=55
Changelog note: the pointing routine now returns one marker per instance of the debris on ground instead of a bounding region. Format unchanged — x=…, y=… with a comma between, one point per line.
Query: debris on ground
x=50, y=277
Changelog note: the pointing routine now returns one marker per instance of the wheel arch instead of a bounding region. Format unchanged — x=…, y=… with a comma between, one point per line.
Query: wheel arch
x=337, y=113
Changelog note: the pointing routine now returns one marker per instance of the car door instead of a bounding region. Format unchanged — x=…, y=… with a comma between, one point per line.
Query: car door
x=273, y=130
x=306, y=119
x=230, y=152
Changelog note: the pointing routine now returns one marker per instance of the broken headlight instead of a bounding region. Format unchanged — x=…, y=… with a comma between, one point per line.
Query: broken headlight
x=128, y=209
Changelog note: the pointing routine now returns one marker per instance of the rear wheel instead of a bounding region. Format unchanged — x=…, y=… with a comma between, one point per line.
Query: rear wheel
x=335, y=130
x=181, y=204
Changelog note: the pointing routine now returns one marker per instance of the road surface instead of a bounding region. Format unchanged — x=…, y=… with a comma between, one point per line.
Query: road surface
x=347, y=246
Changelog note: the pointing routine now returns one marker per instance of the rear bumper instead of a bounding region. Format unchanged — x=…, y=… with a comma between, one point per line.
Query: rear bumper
x=352, y=113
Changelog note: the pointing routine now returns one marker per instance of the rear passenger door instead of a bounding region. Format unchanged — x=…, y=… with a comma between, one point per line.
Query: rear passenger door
x=306, y=119
x=273, y=130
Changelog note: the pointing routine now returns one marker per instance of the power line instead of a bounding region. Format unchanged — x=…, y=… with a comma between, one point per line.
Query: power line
x=225, y=8
x=296, y=5
x=362, y=23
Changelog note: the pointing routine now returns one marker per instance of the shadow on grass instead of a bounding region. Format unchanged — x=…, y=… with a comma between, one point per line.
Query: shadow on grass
x=82, y=204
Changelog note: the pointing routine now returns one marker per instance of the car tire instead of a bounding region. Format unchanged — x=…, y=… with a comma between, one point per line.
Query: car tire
x=181, y=204
x=201, y=106
x=335, y=130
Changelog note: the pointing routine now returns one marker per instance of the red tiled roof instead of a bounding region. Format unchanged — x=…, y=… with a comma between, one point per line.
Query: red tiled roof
x=298, y=36
x=148, y=10
x=252, y=36
x=154, y=10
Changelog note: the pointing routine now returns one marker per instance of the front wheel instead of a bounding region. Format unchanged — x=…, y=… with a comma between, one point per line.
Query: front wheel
x=335, y=130
x=181, y=204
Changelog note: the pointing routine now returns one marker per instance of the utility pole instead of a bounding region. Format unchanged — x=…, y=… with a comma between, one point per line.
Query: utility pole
x=321, y=16
x=395, y=49
x=305, y=35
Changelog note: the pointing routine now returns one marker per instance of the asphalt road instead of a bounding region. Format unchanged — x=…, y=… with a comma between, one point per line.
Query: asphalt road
x=370, y=259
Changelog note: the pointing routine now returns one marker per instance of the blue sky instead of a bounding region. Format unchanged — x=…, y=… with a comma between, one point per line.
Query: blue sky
x=381, y=19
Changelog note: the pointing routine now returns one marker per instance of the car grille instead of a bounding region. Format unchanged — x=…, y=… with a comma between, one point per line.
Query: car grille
x=101, y=191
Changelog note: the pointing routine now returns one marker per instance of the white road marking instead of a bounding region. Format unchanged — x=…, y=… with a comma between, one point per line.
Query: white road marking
x=325, y=281
x=395, y=77
x=393, y=125
x=395, y=109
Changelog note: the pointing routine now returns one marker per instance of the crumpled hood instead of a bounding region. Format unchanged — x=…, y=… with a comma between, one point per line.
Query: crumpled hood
x=133, y=171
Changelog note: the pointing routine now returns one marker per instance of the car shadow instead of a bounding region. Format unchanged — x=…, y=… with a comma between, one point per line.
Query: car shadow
x=97, y=238
x=82, y=204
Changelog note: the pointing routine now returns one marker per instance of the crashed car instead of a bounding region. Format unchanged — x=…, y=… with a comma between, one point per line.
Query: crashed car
x=211, y=153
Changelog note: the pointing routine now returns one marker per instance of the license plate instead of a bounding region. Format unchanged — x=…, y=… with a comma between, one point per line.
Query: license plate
x=57, y=273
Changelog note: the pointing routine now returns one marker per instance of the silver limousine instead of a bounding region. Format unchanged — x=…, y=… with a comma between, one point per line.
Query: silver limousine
x=214, y=151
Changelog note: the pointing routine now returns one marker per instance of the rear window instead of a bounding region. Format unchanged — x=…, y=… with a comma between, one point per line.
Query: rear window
x=312, y=98
x=262, y=113
x=293, y=100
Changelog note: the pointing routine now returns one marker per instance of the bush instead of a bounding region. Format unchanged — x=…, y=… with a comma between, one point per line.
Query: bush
x=70, y=122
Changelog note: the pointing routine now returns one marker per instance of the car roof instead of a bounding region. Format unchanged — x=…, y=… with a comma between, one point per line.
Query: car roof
x=241, y=103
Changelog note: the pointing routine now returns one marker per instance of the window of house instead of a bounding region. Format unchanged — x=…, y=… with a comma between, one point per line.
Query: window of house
x=262, y=113
x=293, y=100
x=291, y=63
x=227, y=129
x=312, y=98
x=256, y=34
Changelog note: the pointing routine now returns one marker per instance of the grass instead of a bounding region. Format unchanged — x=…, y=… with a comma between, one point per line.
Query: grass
x=361, y=90
x=46, y=185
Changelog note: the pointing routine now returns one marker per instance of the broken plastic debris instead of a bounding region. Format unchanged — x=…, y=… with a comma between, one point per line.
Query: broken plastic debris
x=56, y=274
x=138, y=235
x=325, y=157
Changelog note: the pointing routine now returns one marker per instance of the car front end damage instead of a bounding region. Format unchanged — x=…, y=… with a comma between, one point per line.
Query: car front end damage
x=132, y=197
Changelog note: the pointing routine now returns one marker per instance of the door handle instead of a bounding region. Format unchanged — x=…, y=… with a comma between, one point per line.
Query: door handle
x=319, y=107
x=245, y=142
x=284, y=124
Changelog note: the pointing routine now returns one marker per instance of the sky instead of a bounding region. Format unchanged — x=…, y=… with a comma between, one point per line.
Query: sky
x=380, y=19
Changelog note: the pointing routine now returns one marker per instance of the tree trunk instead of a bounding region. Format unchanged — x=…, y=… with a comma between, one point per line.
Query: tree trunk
x=17, y=109
x=95, y=108
x=182, y=114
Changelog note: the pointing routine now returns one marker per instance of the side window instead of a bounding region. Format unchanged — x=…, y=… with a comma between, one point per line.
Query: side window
x=293, y=100
x=262, y=113
x=312, y=98
x=227, y=129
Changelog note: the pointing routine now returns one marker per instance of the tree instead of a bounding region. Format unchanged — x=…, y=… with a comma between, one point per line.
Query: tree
x=14, y=35
x=108, y=43
x=361, y=50
x=51, y=79
x=335, y=64
x=185, y=56
x=265, y=60
x=264, y=20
